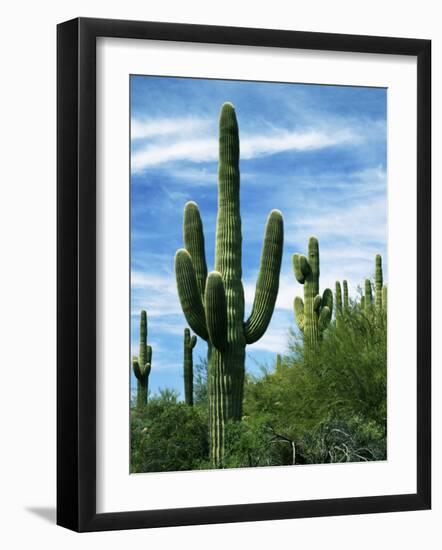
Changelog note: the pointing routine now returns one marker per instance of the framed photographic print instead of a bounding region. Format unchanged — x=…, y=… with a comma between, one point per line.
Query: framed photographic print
x=243, y=274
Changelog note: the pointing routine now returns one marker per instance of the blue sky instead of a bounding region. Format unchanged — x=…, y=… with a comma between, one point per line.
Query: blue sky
x=317, y=153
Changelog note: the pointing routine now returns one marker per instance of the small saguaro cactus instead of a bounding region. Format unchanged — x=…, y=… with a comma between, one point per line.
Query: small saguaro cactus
x=378, y=284
x=314, y=313
x=346, y=304
x=338, y=299
x=278, y=366
x=189, y=344
x=142, y=363
x=338, y=303
x=367, y=302
x=341, y=301
x=214, y=304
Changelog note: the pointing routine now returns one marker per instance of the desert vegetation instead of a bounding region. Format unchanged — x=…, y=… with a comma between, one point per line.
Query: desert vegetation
x=322, y=401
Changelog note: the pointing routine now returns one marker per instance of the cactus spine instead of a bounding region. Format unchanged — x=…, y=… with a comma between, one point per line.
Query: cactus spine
x=189, y=344
x=214, y=305
x=314, y=313
x=142, y=363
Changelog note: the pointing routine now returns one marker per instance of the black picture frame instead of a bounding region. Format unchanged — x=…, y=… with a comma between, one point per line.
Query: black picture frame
x=76, y=274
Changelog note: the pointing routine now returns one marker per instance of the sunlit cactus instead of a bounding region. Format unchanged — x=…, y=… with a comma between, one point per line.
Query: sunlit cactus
x=312, y=314
x=189, y=344
x=214, y=304
x=142, y=363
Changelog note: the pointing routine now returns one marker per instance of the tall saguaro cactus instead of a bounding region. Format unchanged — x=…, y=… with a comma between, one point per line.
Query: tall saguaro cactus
x=214, y=305
x=189, y=344
x=142, y=363
x=314, y=313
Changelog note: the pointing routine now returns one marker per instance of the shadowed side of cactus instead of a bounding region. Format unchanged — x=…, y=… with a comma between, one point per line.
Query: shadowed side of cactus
x=214, y=304
x=189, y=344
x=384, y=299
x=142, y=364
x=314, y=313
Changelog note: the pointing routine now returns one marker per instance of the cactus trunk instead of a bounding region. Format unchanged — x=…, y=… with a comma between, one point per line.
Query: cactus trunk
x=142, y=363
x=214, y=305
x=189, y=344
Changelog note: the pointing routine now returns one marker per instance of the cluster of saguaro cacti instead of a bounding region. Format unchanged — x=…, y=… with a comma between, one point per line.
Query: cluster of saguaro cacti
x=214, y=304
x=314, y=313
x=142, y=363
x=341, y=306
x=379, y=304
x=189, y=344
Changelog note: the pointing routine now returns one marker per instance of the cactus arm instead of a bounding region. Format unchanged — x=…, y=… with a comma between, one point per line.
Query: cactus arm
x=268, y=279
x=194, y=243
x=149, y=354
x=324, y=318
x=327, y=299
x=384, y=298
x=216, y=310
x=317, y=303
x=301, y=267
x=136, y=369
x=192, y=342
x=298, y=306
x=189, y=294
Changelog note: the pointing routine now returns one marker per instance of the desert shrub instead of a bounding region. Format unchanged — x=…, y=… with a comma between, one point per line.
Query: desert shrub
x=334, y=399
x=167, y=435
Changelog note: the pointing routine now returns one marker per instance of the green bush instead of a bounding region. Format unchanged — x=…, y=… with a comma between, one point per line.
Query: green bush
x=167, y=435
x=342, y=387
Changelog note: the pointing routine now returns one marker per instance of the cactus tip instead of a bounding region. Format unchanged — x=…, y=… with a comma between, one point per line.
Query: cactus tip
x=276, y=212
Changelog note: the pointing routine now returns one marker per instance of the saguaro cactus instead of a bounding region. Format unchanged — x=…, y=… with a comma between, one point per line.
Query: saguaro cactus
x=367, y=302
x=314, y=313
x=189, y=344
x=142, y=363
x=278, y=366
x=214, y=305
x=378, y=284
x=338, y=299
x=346, y=304
x=338, y=303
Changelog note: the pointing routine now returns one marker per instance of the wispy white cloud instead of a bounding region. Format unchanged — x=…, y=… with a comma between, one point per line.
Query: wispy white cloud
x=193, y=143
x=154, y=292
x=148, y=129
